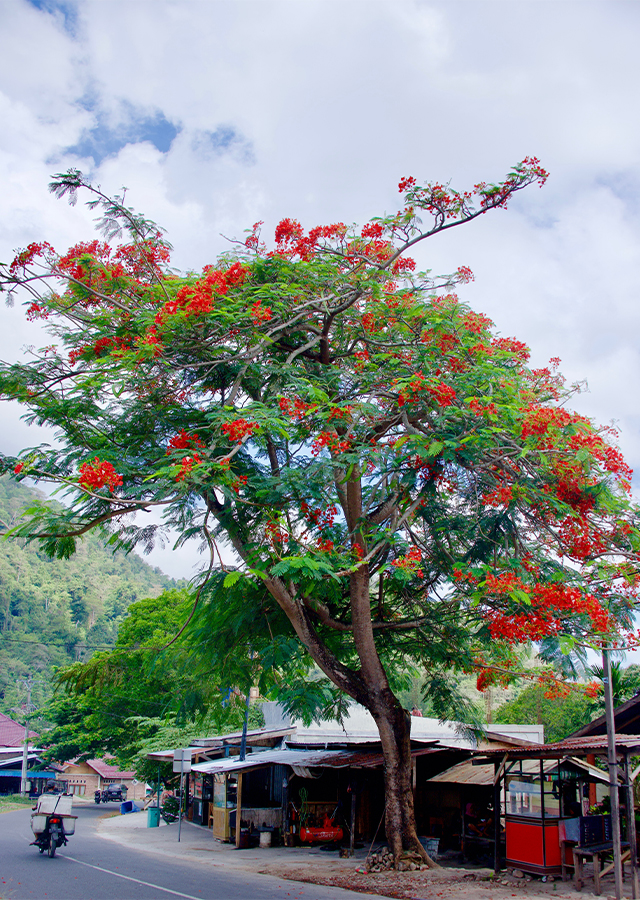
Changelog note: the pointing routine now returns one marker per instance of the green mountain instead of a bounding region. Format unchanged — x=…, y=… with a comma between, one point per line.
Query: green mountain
x=54, y=612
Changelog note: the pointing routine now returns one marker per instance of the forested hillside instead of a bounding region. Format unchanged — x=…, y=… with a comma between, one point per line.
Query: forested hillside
x=53, y=612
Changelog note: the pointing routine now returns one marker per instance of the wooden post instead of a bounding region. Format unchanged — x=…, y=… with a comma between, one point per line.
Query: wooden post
x=353, y=819
x=497, y=781
x=285, y=810
x=239, y=809
x=613, y=770
x=631, y=828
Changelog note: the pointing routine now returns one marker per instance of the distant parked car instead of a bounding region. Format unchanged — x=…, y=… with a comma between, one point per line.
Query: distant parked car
x=114, y=792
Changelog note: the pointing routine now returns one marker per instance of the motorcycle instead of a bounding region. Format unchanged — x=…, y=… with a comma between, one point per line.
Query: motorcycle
x=97, y=796
x=52, y=822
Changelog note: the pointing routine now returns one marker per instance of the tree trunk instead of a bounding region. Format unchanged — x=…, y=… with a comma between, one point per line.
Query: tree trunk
x=392, y=720
x=368, y=685
x=394, y=726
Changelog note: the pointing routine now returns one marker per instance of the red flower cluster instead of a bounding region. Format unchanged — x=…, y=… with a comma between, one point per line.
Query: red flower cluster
x=554, y=689
x=538, y=420
x=288, y=230
x=25, y=257
x=372, y=230
x=254, y=237
x=37, y=311
x=340, y=412
x=465, y=275
x=113, y=346
x=408, y=394
x=188, y=462
x=142, y=259
x=592, y=690
x=511, y=345
x=198, y=299
x=580, y=540
x=406, y=184
x=573, y=488
x=501, y=496
x=184, y=441
x=98, y=473
x=476, y=323
x=260, y=313
x=331, y=440
x=362, y=358
x=369, y=323
x=503, y=583
x=459, y=575
x=296, y=409
x=274, y=534
x=238, y=482
x=152, y=340
x=239, y=429
x=325, y=546
x=550, y=605
x=291, y=242
x=319, y=518
x=480, y=409
x=410, y=562
x=403, y=264
x=103, y=346
x=70, y=263
x=443, y=394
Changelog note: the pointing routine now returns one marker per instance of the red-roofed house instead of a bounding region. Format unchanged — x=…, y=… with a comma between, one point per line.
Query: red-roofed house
x=12, y=732
x=84, y=778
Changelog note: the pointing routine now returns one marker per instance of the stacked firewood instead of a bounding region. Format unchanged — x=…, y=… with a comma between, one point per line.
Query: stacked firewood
x=382, y=861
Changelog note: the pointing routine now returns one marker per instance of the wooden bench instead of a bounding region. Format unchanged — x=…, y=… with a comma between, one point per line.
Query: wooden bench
x=595, y=852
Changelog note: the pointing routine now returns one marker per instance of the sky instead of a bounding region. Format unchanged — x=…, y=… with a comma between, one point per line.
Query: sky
x=216, y=115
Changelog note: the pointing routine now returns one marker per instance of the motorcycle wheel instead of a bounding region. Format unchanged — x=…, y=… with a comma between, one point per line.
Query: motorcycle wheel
x=52, y=846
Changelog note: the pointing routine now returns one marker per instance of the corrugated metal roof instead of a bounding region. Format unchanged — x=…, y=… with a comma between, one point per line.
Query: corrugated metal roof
x=261, y=734
x=581, y=746
x=18, y=759
x=307, y=758
x=483, y=775
x=367, y=760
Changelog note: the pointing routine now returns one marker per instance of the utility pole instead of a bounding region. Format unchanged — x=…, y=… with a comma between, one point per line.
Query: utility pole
x=28, y=684
x=613, y=769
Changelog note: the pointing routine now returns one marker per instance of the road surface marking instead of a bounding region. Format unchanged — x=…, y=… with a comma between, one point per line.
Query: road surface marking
x=157, y=887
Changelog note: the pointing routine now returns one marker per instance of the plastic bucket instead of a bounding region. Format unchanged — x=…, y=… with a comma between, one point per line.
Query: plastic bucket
x=265, y=840
x=153, y=817
x=430, y=845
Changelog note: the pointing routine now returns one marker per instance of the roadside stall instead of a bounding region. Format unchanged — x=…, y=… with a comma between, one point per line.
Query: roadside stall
x=543, y=798
x=543, y=806
x=225, y=802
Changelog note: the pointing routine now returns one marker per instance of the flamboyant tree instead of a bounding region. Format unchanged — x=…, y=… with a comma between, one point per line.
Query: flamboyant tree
x=397, y=485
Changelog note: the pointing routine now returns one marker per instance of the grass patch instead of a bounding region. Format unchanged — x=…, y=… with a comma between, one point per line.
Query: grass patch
x=9, y=802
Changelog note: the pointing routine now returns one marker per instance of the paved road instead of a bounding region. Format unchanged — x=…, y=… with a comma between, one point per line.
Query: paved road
x=92, y=868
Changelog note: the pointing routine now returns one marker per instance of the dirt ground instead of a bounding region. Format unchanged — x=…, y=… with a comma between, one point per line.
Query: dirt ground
x=312, y=865
x=454, y=883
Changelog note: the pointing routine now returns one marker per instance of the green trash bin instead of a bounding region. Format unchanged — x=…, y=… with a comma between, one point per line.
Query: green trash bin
x=153, y=817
